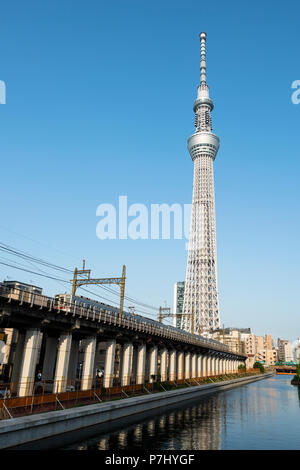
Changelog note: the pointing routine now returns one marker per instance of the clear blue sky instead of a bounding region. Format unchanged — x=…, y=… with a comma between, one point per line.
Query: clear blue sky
x=99, y=104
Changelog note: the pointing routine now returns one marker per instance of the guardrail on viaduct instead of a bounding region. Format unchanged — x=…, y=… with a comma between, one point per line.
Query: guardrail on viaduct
x=94, y=314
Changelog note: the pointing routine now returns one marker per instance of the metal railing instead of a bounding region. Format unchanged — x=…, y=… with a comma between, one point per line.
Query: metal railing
x=46, y=400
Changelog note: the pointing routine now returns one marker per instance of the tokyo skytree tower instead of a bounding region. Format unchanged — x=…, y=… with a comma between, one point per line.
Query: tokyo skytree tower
x=201, y=305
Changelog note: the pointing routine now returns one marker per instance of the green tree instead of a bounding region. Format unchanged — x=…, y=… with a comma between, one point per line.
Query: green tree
x=258, y=365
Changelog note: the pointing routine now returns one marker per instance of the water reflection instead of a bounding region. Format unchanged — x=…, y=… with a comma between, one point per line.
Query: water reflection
x=261, y=415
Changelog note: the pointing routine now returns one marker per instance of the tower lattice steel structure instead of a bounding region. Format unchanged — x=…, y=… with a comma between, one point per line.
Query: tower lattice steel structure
x=201, y=288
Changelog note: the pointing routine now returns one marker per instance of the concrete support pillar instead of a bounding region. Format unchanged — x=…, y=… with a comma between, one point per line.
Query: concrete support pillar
x=109, y=363
x=141, y=364
x=187, y=365
x=17, y=361
x=62, y=363
x=217, y=366
x=222, y=366
x=180, y=365
x=204, y=366
x=208, y=366
x=73, y=362
x=88, y=363
x=29, y=361
x=49, y=358
x=134, y=364
x=153, y=364
x=199, y=365
x=126, y=368
x=194, y=366
x=172, y=365
x=164, y=365
x=212, y=366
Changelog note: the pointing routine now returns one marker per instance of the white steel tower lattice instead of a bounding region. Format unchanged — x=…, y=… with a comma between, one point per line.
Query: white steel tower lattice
x=201, y=289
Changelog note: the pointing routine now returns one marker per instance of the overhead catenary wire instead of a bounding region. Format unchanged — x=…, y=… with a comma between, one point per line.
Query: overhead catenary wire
x=83, y=288
x=26, y=256
x=33, y=259
x=54, y=278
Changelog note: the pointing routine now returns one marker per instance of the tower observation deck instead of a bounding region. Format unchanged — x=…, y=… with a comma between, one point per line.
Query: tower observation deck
x=201, y=289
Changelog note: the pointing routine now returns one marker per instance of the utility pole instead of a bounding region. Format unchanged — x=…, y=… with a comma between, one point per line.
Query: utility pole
x=120, y=281
x=76, y=282
x=122, y=285
x=164, y=312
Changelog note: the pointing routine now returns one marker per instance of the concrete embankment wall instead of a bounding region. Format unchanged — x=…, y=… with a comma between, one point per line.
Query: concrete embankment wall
x=30, y=429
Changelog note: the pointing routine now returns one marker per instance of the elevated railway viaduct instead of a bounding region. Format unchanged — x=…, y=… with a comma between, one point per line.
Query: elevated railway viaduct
x=49, y=336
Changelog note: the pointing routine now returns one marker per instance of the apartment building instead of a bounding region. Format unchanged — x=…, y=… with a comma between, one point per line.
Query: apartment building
x=285, y=350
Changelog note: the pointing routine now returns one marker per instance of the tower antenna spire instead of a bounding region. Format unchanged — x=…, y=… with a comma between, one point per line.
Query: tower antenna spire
x=202, y=37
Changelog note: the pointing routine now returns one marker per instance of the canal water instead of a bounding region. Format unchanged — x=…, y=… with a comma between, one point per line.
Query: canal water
x=259, y=415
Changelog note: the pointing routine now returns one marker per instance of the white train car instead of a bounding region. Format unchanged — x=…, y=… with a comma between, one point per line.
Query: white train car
x=67, y=303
